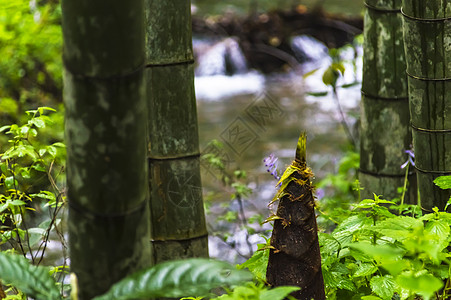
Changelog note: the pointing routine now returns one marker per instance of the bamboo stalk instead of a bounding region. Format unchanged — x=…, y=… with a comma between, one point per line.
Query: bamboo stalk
x=105, y=131
x=427, y=32
x=385, y=131
x=177, y=213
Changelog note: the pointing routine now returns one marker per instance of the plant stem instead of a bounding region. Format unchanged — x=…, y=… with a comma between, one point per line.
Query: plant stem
x=343, y=118
x=244, y=221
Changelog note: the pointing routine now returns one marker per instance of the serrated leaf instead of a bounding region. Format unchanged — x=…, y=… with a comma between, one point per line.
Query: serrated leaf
x=34, y=281
x=180, y=278
x=383, y=286
x=328, y=243
x=437, y=228
x=365, y=269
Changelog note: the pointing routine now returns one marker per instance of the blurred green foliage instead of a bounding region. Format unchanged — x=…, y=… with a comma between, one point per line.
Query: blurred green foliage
x=30, y=51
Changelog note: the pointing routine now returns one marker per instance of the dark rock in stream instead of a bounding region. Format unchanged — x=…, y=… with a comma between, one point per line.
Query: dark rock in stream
x=267, y=39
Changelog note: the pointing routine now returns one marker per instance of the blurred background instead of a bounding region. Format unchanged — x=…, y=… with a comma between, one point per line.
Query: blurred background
x=265, y=72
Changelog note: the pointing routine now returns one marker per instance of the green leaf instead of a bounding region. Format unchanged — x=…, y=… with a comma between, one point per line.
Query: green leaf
x=379, y=252
x=59, y=144
x=365, y=269
x=370, y=297
x=330, y=76
x=10, y=182
x=278, y=293
x=310, y=73
x=38, y=122
x=258, y=263
x=425, y=284
x=328, y=243
x=437, y=228
x=383, y=286
x=34, y=281
x=180, y=278
x=3, y=128
x=318, y=94
x=52, y=151
x=443, y=182
x=348, y=85
x=16, y=203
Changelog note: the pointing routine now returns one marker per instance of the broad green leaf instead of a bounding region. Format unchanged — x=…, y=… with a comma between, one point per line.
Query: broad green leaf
x=370, y=297
x=330, y=76
x=443, y=182
x=425, y=284
x=11, y=182
x=38, y=122
x=258, y=263
x=16, y=203
x=35, y=235
x=365, y=269
x=379, y=252
x=278, y=293
x=180, y=278
x=328, y=243
x=35, y=281
x=440, y=229
x=51, y=150
x=383, y=286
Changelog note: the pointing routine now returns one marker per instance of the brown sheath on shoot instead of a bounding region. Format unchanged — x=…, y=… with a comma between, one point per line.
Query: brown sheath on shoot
x=294, y=257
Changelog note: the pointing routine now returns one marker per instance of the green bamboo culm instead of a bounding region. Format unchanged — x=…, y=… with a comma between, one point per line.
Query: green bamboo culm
x=427, y=36
x=106, y=128
x=385, y=119
x=177, y=213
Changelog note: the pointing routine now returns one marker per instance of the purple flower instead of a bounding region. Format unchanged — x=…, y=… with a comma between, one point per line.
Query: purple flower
x=410, y=158
x=271, y=164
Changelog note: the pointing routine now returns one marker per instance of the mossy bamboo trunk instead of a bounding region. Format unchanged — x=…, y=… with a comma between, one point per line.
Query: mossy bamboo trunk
x=427, y=38
x=385, y=128
x=106, y=125
x=294, y=257
x=177, y=212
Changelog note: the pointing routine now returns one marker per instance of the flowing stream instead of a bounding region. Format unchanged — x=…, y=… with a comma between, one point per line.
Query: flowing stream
x=255, y=115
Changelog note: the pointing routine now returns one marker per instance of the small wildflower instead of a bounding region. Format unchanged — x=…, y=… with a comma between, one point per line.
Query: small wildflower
x=410, y=158
x=271, y=164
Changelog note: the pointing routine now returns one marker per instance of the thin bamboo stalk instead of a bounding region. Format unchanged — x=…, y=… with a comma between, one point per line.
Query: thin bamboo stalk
x=177, y=213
